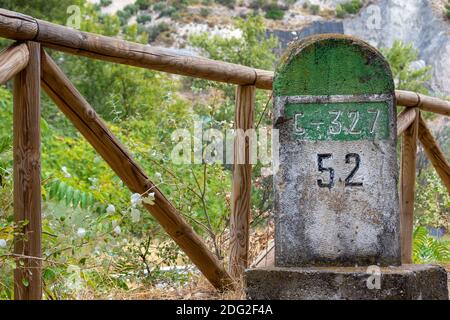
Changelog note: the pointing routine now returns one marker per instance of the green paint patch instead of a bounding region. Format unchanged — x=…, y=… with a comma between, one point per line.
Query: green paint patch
x=332, y=65
x=339, y=121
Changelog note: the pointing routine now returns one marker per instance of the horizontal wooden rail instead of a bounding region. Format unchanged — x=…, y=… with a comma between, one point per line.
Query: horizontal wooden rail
x=85, y=119
x=21, y=27
x=13, y=60
x=405, y=119
x=17, y=26
x=426, y=103
x=434, y=153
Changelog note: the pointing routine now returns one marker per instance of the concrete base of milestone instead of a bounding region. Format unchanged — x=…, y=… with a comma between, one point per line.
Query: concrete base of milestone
x=406, y=282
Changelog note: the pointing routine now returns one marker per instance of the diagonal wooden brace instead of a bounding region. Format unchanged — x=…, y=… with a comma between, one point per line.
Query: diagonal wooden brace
x=92, y=127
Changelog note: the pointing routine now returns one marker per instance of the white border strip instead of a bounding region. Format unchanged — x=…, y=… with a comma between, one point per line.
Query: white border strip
x=281, y=101
x=338, y=98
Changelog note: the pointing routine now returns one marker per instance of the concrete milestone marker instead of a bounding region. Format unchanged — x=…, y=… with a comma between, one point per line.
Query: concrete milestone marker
x=336, y=199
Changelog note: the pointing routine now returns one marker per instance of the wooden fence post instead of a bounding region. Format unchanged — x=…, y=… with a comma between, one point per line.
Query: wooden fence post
x=242, y=182
x=407, y=187
x=27, y=180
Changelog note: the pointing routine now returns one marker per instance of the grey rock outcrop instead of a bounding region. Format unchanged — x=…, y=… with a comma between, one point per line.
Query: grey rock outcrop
x=412, y=21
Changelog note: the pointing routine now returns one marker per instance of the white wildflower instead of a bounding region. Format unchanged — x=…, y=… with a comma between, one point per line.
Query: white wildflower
x=110, y=209
x=2, y=243
x=161, y=285
x=81, y=232
x=135, y=215
x=265, y=172
x=135, y=199
x=66, y=173
x=93, y=180
x=74, y=280
x=158, y=175
x=117, y=230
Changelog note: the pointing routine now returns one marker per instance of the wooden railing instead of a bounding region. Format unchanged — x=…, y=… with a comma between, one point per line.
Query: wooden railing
x=31, y=67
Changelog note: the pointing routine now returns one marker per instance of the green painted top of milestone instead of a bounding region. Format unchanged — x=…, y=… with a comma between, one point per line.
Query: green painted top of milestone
x=332, y=65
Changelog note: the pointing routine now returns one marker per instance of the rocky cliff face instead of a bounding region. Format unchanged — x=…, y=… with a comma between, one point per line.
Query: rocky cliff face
x=418, y=22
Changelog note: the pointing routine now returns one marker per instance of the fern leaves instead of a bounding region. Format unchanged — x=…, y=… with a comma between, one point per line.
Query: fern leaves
x=58, y=190
x=427, y=249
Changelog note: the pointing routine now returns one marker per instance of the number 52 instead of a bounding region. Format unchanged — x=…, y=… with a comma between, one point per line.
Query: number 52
x=348, y=180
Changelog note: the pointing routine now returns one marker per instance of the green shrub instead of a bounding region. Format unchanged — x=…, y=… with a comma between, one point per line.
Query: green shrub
x=447, y=11
x=400, y=56
x=156, y=30
x=169, y=11
x=105, y=3
x=350, y=7
x=258, y=4
x=143, y=4
x=314, y=9
x=252, y=49
x=159, y=6
x=143, y=18
x=131, y=9
x=432, y=202
x=227, y=3
x=204, y=12
x=123, y=16
x=274, y=13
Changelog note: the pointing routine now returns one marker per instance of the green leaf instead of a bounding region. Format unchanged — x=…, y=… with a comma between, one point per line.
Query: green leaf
x=76, y=198
x=61, y=191
x=91, y=200
x=53, y=189
x=49, y=274
x=83, y=203
x=25, y=282
x=69, y=195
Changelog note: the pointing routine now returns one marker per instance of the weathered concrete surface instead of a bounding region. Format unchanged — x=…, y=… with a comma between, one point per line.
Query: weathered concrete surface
x=340, y=224
x=406, y=282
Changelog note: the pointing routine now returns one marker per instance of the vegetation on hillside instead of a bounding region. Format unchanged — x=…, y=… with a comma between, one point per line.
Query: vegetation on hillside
x=407, y=77
x=97, y=237
x=350, y=7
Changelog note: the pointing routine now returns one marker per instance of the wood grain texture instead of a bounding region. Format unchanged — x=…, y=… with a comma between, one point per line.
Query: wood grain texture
x=86, y=120
x=17, y=26
x=27, y=178
x=242, y=184
x=434, y=153
x=407, y=188
x=405, y=119
x=12, y=60
x=423, y=102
